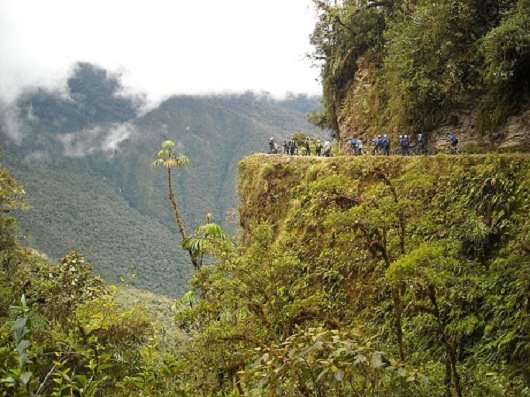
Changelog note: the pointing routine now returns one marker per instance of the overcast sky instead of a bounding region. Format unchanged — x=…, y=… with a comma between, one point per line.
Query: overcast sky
x=161, y=46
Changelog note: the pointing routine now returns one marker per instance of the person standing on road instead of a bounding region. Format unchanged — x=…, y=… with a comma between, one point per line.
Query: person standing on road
x=421, y=143
x=318, y=148
x=453, y=140
x=327, y=149
x=307, y=147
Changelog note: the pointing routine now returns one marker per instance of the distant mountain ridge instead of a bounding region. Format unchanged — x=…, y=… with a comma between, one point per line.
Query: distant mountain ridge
x=83, y=156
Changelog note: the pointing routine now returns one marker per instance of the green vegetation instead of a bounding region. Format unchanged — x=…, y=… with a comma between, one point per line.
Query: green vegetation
x=411, y=65
x=70, y=210
x=369, y=277
x=353, y=276
x=90, y=191
x=160, y=308
x=62, y=332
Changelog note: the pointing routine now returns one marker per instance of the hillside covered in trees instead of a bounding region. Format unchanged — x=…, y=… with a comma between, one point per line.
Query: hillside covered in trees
x=353, y=276
x=359, y=276
x=83, y=156
x=411, y=66
x=372, y=277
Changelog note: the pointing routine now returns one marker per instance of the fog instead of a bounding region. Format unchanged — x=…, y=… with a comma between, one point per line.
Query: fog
x=160, y=47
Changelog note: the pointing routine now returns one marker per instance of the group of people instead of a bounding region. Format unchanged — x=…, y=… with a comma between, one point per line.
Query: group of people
x=294, y=147
x=381, y=145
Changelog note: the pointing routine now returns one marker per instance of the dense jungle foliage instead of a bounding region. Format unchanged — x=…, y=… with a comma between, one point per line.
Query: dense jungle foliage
x=353, y=276
x=61, y=331
x=370, y=278
x=409, y=65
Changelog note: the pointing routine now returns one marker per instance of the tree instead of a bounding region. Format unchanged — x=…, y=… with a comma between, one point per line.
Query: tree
x=169, y=158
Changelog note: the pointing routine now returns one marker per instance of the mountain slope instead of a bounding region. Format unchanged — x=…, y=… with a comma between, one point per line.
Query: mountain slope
x=83, y=212
x=94, y=140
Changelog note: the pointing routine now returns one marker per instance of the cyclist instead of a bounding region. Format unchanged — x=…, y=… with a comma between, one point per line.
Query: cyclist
x=293, y=146
x=285, y=147
x=421, y=143
x=352, y=145
x=453, y=140
x=273, y=148
x=385, y=145
x=376, y=144
x=359, y=149
x=327, y=149
x=318, y=147
x=307, y=147
x=404, y=145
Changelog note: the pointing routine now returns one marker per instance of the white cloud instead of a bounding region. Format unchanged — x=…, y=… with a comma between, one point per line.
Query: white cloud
x=164, y=46
x=11, y=123
x=99, y=138
x=80, y=143
x=117, y=134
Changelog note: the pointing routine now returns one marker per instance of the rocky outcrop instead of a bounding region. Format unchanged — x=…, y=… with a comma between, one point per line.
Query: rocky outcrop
x=513, y=134
x=356, y=118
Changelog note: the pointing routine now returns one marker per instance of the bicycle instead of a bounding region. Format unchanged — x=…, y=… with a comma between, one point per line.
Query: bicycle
x=454, y=150
x=273, y=151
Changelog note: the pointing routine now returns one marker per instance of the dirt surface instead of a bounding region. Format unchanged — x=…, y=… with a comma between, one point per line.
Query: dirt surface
x=286, y=159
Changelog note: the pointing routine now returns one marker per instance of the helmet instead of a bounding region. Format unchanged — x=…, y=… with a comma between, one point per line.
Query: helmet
x=272, y=139
x=386, y=136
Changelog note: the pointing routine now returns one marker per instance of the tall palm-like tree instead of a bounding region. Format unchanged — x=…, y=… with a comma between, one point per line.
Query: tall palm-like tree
x=169, y=158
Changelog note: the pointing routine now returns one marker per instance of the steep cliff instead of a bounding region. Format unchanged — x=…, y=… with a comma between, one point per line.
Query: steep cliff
x=372, y=276
x=511, y=132
x=408, y=67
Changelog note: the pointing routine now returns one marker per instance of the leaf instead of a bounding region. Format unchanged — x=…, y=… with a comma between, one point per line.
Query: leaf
x=360, y=358
x=82, y=378
x=10, y=380
x=322, y=373
x=103, y=367
x=19, y=328
x=25, y=377
x=168, y=144
x=339, y=375
x=22, y=346
x=376, y=360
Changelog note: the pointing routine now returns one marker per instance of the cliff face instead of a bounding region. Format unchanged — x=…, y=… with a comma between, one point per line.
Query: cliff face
x=299, y=193
x=354, y=119
x=514, y=133
x=408, y=251
x=427, y=67
x=398, y=276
